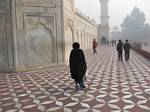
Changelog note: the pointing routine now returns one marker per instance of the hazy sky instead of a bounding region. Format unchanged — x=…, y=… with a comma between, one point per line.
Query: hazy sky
x=118, y=9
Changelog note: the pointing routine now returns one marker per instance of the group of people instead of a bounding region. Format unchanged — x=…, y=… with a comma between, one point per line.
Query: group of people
x=78, y=64
x=126, y=46
x=111, y=43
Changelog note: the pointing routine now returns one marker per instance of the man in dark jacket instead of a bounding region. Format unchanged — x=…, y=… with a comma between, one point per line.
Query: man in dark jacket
x=119, y=49
x=127, y=47
x=77, y=65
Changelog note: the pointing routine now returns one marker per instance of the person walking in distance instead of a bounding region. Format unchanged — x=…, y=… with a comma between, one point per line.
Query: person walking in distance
x=119, y=49
x=94, y=46
x=77, y=65
x=127, y=48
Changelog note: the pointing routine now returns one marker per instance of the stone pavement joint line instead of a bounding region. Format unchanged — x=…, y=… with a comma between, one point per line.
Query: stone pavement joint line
x=111, y=86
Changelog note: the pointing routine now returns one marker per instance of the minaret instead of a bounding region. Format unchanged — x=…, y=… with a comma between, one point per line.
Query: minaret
x=104, y=26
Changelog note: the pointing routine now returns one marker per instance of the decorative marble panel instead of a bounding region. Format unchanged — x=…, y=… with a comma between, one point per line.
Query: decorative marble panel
x=2, y=42
x=68, y=38
x=42, y=3
x=19, y=14
x=39, y=40
x=1, y=3
x=69, y=4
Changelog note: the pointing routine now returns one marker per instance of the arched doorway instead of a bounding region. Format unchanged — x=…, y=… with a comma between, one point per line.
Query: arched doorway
x=103, y=40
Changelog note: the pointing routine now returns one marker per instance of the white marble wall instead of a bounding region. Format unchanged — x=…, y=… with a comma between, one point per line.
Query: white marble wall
x=35, y=39
x=77, y=28
x=68, y=28
x=39, y=33
x=85, y=30
x=6, y=41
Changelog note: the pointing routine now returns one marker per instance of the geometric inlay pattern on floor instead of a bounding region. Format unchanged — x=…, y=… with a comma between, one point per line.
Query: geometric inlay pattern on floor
x=111, y=86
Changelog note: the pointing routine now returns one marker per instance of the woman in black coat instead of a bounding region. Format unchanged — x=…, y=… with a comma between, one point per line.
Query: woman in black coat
x=77, y=65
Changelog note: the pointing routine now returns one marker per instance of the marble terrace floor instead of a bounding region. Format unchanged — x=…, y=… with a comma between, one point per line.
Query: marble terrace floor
x=111, y=86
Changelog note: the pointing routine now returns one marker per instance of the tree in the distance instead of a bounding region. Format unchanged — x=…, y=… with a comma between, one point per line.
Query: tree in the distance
x=134, y=27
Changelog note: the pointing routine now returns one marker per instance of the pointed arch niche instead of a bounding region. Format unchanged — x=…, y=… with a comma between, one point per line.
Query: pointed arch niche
x=39, y=40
